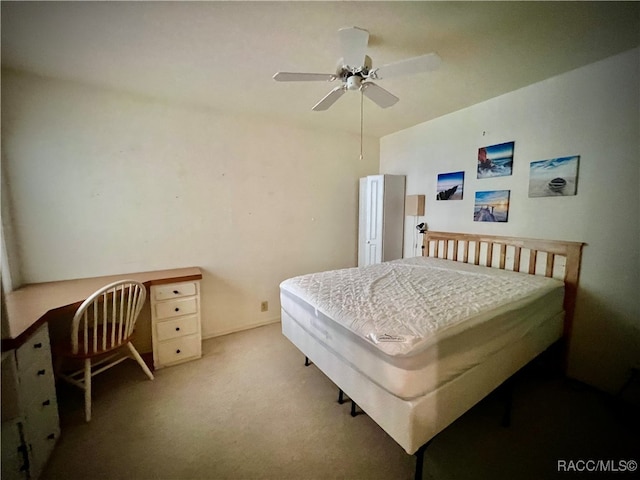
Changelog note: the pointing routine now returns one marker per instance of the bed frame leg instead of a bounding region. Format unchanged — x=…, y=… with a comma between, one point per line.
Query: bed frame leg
x=353, y=409
x=420, y=460
x=306, y=361
x=508, y=402
x=340, y=396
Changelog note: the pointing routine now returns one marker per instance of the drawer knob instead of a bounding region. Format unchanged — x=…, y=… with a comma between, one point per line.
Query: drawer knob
x=178, y=351
x=177, y=309
x=177, y=329
x=41, y=372
x=37, y=345
x=51, y=436
x=176, y=292
x=46, y=403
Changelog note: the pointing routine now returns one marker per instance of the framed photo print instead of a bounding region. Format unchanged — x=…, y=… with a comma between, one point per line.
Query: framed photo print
x=553, y=178
x=495, y=160
x=450, y=186
x=491, y=206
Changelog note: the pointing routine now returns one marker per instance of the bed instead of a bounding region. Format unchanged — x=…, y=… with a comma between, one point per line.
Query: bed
x=417, y=342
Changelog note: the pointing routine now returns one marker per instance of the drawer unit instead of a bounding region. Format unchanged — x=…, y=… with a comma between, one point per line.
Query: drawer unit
x=28, y=381
x=175, y=319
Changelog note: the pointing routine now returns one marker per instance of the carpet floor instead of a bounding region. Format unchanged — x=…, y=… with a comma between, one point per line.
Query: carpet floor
x=250, y=409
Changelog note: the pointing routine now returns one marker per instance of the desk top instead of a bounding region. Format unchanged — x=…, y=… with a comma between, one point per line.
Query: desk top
x=29, y=306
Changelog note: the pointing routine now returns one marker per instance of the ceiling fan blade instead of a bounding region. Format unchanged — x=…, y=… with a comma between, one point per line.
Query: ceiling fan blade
x=378, y=94
x=353, y=42
x=329, y=99
x=303, y=77
x=410, y=66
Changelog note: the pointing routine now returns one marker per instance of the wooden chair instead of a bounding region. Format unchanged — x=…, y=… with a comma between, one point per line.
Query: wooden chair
x=101, y=334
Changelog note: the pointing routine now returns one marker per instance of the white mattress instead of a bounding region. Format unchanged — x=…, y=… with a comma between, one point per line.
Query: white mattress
x=441, y=318
x=412, y=423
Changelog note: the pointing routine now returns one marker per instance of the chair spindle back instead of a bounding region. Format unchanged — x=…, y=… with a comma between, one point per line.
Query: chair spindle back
x=107, y=318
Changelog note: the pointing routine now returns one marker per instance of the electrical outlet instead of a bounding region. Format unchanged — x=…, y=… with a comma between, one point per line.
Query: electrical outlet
x=264, y=306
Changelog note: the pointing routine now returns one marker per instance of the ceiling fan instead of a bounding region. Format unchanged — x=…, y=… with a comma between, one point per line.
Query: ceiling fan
x=355, y=71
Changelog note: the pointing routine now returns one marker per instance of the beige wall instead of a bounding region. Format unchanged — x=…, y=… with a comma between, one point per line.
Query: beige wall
x=105, y=183
x=592, y=112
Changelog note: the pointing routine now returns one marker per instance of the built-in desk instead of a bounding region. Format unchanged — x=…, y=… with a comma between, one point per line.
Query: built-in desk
x=30, y=423
x=32, y=305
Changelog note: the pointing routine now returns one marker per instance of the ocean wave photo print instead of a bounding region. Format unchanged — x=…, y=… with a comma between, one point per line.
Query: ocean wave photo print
x=495, y=160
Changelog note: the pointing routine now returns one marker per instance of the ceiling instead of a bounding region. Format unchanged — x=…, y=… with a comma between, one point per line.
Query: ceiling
x=222, y=55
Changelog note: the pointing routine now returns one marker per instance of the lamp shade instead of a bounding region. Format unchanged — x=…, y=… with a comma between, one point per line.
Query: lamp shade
x=414, y=205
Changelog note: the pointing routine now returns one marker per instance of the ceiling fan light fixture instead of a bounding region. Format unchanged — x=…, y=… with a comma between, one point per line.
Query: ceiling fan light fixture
x=354, y=82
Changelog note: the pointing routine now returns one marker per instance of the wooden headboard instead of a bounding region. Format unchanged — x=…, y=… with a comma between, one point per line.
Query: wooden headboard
x=551, y=258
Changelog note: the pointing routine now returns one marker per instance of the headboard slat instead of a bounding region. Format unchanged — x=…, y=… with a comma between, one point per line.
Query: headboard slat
x=549, y=269
x=516, y=259
x=533, y=256
x=503, y=255
x=489, y=254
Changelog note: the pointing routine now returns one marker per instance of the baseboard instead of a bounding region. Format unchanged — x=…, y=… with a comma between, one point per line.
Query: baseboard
x=241, y=329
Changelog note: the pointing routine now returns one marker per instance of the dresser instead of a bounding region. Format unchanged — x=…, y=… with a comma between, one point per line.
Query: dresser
x=30, y=424
x=175, y=323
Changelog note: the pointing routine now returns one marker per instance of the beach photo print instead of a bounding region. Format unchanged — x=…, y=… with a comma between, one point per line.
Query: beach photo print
x=554, y=177
x=450, y=186
x=491, y=206
x=495, y=160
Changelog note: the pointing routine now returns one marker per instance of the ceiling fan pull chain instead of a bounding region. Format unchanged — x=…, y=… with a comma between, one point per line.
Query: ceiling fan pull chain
x=361, y=121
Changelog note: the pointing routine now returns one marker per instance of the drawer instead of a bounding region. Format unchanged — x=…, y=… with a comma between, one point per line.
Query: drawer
x=179, y=327
x=42, y=407
x=39, y=402
x=37, y=382
x=174, y=290
x=42, y=423
x=42, y=434
x=13, y=456
x=175, y=308
x=179, y=349
x=36, y=349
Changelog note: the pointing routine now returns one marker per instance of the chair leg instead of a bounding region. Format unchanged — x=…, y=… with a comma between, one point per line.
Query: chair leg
x=87, y=389
x=140, y=361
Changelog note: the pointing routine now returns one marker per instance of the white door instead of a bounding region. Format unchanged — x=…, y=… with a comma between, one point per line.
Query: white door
x=374, y=220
